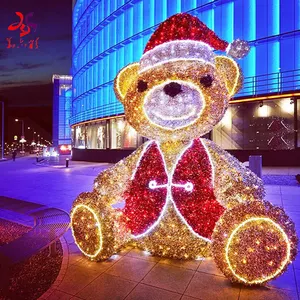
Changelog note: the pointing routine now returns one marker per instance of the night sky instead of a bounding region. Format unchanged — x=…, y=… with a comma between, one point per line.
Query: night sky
x=26, y=74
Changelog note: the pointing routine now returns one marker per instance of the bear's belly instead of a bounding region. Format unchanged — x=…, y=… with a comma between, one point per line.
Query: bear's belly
x=172, y=238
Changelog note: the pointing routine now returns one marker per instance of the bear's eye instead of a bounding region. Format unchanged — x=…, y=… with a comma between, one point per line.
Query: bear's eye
x=142, y=86
x=206, y=80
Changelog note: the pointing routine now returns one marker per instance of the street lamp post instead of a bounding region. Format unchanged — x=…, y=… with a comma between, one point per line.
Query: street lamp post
x=23, y=135
x=2, y=135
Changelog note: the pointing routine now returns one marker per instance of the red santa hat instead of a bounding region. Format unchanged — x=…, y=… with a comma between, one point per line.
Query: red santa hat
x=183, y=36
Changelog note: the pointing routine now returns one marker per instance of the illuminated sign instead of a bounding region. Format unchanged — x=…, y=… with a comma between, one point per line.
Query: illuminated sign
x=65, y=148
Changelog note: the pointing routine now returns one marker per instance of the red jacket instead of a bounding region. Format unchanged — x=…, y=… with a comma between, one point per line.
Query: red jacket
x=189, y=187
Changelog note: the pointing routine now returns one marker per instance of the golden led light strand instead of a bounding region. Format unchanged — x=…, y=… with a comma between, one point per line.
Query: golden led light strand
x=98, y=225
x=283, y=264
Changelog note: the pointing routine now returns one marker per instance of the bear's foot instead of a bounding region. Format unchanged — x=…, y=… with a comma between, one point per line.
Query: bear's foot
x=254, y=242
x=96, y=227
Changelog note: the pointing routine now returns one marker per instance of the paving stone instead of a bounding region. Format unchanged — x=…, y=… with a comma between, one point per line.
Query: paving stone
x=186, y=264
x=212, y=287
x=209, y=266
x=264, y=293
x=168, y=277
x=146, y=292
x=76, y=278
x=58, y=295
x=285, y=281
x=107, y=287
x=137, y=253
x=131, y=268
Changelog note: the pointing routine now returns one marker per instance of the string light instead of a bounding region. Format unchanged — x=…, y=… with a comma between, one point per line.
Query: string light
x=78, y=213
x=254, y=242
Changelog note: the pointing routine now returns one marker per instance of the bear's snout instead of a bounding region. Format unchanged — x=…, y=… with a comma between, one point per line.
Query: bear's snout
x=174, y=104
x=172, y=89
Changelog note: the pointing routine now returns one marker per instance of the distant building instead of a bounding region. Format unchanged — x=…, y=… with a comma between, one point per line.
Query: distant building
x=62, y=103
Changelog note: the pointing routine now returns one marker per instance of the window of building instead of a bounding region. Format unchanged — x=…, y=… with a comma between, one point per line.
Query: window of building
x=117, y=127
x=96, y=135
x=267, y=125
x=130, y=137
x=80, y=137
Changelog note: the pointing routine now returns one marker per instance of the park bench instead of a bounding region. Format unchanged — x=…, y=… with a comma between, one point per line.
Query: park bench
x=49, y=224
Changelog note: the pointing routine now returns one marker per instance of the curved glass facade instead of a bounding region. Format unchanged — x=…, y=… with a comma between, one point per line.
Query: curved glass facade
x=109, y=34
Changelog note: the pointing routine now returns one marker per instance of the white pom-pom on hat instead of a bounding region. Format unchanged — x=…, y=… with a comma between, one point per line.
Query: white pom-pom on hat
x=238, y=49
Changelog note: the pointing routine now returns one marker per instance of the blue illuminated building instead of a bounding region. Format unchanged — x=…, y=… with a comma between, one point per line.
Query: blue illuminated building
x=109, y=34
x=62, y=100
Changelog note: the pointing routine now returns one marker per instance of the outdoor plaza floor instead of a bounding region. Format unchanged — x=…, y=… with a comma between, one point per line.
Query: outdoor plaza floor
x=133, y=274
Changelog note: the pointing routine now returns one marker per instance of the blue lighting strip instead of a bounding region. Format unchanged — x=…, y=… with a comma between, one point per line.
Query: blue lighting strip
x=250, y=61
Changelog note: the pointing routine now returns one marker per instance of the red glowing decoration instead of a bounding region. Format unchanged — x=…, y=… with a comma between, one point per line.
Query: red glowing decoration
x=191, y=187
x=199, y=207
x=185, y=27
x=143, y=204
x=65, y=149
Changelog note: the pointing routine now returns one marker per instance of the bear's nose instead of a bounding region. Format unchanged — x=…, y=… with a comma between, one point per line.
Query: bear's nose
x=172, y=89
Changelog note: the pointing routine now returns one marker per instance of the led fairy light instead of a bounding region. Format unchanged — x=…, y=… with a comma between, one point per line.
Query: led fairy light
x=97, y=226
x=254, y=242
x=187, y=186
x=174, y=112
x=183, y=60
x=230, y=173
x=177, y=50
x=179, y=195
x=282, y=264
x=207, y=82
x=128, y=72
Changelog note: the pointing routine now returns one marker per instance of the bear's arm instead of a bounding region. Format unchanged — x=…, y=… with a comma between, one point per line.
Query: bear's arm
x=112, y=183
x=233, y=182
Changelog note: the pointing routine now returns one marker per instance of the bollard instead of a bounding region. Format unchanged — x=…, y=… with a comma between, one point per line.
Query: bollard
x=255, y=164
x=67, y=162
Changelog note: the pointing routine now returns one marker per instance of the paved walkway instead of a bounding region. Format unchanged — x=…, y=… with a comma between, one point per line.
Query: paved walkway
x=133, y=274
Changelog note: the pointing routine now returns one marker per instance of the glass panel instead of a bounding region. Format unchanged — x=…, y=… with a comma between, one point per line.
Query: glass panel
x=257, y=125
x=80, y=137
x=96, y=136
x=117, y=127
x=130, y=137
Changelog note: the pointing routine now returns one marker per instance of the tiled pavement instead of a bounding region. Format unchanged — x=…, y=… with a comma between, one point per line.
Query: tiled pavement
x=133, y=274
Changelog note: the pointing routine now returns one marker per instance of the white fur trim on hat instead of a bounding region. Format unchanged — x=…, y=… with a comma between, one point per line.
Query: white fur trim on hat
x=179, y=49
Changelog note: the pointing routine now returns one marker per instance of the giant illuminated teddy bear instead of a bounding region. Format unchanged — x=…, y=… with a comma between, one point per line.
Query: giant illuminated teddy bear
x=179, y=195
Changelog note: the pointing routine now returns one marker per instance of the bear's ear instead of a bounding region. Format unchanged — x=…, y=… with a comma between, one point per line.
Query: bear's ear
x=124, y=80
x=230, y=72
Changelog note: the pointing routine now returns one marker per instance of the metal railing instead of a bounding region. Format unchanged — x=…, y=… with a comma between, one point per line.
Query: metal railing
x=271, y=83
x=111, y=109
